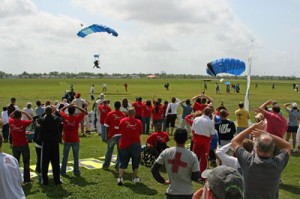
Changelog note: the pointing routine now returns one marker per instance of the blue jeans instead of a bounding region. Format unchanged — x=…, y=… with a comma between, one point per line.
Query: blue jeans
x=75, y=148
x=103, y=132
x=146, y=124
x=110, y=148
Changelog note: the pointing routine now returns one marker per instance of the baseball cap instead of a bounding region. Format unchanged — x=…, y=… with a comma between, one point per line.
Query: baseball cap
x=78, y=95
x=294, y=105
x=225, y=182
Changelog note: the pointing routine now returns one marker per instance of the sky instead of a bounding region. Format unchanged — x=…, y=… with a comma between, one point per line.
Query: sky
x=172, y=36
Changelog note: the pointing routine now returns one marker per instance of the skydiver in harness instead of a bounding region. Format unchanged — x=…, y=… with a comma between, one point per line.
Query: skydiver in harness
x=96, y=62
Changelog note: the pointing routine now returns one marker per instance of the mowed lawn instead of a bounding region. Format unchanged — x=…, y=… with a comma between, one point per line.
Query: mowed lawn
x=102, y=184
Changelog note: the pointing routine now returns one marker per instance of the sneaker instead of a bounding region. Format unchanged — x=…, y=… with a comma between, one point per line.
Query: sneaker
x=120, y=181
x=135, y=180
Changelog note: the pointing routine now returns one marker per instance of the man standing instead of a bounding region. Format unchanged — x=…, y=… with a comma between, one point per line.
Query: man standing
x=92, y=92
x=261, y=170
x=242, y=116
x=70, y=136
x=204, y=129
x=130, y=145
x=10, y=176
x=276, y=123
x=226, y=129
x=50, y=151
x=5, y=125
x=182, y=167
x=112, y=122
x=19, y=139
x=104, y=109
x=79, y=102
x=186, y=110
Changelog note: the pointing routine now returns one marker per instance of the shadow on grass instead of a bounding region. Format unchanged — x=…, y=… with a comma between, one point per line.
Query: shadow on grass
x=55, y=191
x=290, y=188
x=79, y=181
x=140, y=188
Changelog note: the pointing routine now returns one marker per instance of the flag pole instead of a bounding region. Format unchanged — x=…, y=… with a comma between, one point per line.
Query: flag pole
x=246, y=100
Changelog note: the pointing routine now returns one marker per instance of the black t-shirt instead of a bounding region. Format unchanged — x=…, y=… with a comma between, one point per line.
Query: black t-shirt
x=226, y=129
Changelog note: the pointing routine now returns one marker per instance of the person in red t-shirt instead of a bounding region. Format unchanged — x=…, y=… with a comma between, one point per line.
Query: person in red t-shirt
x=158, y=139
x=104, y=109
x=138, y=107
x=70, y=136
x=146, y=115
x=112, y=122
x=19, y=140
x=157, y=114
x=130, y=145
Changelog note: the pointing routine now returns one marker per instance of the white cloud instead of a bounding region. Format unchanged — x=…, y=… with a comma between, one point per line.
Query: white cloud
x=178, y=36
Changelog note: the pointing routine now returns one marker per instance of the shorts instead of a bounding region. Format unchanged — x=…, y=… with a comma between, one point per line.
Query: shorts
x=133, y=152
x=292, y=129
x=171, y=119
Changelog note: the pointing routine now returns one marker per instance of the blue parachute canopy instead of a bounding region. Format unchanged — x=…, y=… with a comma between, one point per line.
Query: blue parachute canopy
x=226, y=65
x=94, y=29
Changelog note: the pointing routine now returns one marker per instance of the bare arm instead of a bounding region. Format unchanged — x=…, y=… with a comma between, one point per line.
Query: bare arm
x=264, y=105
x=281, y=143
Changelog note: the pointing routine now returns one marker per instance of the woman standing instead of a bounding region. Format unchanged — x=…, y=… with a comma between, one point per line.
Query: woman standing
x=293, y=123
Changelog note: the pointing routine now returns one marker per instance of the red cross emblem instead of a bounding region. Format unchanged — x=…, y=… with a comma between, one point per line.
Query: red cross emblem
x=176, y=163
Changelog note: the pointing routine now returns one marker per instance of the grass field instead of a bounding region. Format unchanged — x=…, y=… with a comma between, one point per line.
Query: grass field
x=102, y=184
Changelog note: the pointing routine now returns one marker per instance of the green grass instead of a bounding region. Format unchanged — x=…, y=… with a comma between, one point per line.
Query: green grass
x=102, y=184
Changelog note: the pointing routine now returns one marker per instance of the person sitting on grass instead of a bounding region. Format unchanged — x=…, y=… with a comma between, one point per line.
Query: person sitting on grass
x=158, y=139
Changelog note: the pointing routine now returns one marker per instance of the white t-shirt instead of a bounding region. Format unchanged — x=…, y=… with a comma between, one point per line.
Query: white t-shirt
x=203, y=125
x=10, y=178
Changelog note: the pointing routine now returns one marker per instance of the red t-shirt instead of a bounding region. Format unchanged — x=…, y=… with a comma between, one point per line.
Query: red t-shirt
x=131, y=130
x=146, y=111
x=276, y=124
x=71, y=124
x=18, y=131
x=156, y=136
x=104, y=110
x=198, y=107
x=157, y=115
x=138, y=107
x=112, y=121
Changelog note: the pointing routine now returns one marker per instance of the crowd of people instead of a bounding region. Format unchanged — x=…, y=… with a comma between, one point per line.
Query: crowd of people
x=248, y=159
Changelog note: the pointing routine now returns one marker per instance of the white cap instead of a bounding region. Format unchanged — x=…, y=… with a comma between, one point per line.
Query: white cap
x=294, y=105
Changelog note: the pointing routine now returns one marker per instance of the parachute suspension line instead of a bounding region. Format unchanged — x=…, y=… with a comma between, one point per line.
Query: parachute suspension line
x=246, y=101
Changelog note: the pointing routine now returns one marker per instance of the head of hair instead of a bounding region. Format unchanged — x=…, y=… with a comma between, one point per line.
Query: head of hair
x=173, y=99
x=4, y=108
x=203, y=100
x=29, y=105
x=180, y=135
x=48, y=110
x=48, y=103
x=207, y=111
x=188, y=101
x=241, y=105
x=1, y=140
x=248, y=145
x=38, y=103
x=198, y=100
x=139, y=99
x=158, y=126
x=71, y=110
x=60, y=106
x=131, y=113
x=265, y=144
x=125, y=102
x=117, y=105
x=223, y=113
x=276, y=109
x=13, y=100
x=159, y=100
x=166, y=102
x=17, y=114
x=148, y=103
